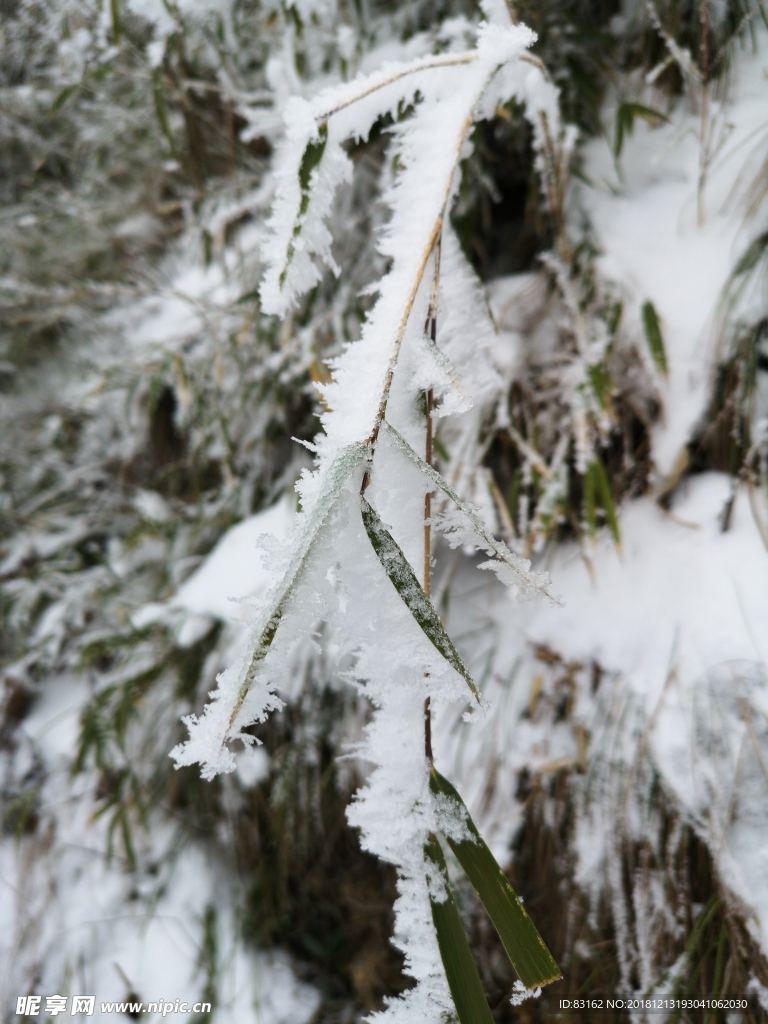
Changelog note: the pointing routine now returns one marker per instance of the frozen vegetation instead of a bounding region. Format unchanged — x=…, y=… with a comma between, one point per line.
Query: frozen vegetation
x=383, y=410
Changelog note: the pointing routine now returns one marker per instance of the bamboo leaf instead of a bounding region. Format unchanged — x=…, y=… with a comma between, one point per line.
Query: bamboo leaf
x=654, y=337
x=600, y=379
x=755, y=251
x=522, y=942
x=336, y=476
x=496, y=548
x=70, y=90
x=445, y=364
x=311, y=157
x=404, y=580
x=626, y=113
x=613, y=318
x=460, y=970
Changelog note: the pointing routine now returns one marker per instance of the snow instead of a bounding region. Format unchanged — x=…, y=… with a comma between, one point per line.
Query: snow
x=235, y=569
x=684, y=596
x=93, y=927
x=654, y=247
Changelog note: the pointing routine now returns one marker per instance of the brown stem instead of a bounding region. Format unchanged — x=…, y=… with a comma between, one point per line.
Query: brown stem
x=430, y=329
x=428, y=555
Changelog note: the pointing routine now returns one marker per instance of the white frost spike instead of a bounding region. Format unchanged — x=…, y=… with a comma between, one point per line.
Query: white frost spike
x=462, y=526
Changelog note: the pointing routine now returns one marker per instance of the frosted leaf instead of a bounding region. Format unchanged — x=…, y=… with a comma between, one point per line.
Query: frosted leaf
x=408, y=587
x=463, y=526
x=243, y=697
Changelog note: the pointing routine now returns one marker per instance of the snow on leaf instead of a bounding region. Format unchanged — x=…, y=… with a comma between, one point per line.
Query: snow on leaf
x=509, y=567
x=410, y=590
x=239, y=701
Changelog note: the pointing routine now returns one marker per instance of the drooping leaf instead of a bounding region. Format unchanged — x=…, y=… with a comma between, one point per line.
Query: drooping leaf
x=626, y=114
x=313, y=154
x=336, y=476
x=496, y=548
x=460, y=970
x=404, y=580
x=522, y=942
x=654, y=337
x=94, y=75
x=754, y=253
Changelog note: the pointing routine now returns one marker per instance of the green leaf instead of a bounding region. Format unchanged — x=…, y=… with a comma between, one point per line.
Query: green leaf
x=70, y=90
x=161, y=111
x=114, y=8
x=613, y=317
x=496, y=548
x=654, y=337
x=597, y=489
x=336, y=476
x=404, y=580
x=600, y=380
x=460, y=970
x=525, y=947
x=590, y=506
x=625, y=121
x=310, y=159
x=755, y=251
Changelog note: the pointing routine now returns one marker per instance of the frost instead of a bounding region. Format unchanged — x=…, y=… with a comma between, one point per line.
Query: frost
x=452, y=819
x=521, y=993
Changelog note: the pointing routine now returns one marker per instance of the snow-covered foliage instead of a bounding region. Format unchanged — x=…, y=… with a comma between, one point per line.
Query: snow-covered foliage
x=224, y=225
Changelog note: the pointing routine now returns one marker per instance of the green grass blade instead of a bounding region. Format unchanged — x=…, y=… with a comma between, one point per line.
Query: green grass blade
x=601, y=383
x=654, y=337
x=590, y=504
x=525, y=947
x=114, y=7
x=606, y=500
x=404, y=580
x=161, y=111
x=460, y=970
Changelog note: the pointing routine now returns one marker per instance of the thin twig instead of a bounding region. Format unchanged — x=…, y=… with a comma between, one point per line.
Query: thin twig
x=430, y=331
x=444, y=61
